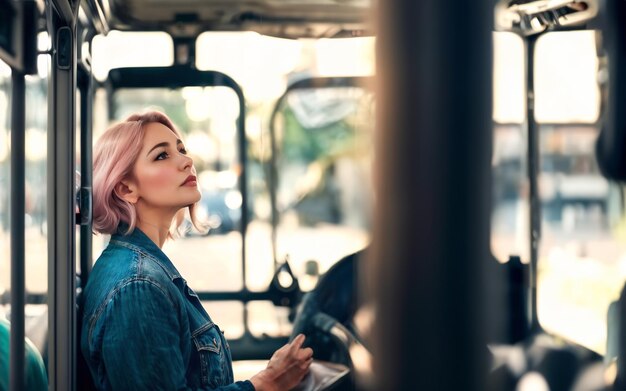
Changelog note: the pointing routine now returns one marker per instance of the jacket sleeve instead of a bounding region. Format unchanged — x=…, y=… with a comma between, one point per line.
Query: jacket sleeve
x=141, y=341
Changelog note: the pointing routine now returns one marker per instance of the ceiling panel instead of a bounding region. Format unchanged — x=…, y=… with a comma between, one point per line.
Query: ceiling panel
x=281, y=18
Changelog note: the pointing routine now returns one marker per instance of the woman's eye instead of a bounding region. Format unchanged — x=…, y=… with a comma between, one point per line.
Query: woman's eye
x=183, y=151
x=161, y=156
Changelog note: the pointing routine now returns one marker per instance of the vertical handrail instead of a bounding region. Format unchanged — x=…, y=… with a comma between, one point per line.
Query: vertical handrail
x=86, y=177
x=61, y=206
x=243, y=188
x=243, y=179
x=533, y=173
x=18, y=157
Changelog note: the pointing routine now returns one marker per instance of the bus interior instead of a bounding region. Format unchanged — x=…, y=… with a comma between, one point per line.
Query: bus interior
x=431, y=191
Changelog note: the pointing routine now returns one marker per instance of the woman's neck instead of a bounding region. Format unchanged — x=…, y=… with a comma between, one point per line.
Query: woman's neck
x=155, y=222
x=157, y=232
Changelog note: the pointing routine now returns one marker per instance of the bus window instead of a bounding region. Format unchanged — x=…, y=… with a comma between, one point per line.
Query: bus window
x=566, y=87
x=509, y=89
x=580, y=250
x=324, y=192
x=260, y=64
x=131, y=49
x=345, y=57
x=36, y=174
x=264, y=67
x=35, y=219
x=510, y=210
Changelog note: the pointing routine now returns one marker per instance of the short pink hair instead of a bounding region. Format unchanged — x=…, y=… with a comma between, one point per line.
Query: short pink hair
x=115, y=155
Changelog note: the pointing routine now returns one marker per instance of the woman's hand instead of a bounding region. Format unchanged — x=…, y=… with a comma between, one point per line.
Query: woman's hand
x=286, y=368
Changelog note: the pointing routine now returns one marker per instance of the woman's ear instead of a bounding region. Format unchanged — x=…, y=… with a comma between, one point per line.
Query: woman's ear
x=127, y=190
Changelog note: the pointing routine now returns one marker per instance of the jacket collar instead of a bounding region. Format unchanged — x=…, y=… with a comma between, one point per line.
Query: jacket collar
x=139, y=241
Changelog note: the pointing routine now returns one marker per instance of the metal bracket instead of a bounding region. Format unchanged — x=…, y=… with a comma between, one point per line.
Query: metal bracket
x=64, y=48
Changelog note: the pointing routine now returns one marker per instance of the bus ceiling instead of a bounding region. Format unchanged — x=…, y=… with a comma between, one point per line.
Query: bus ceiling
x=310, y=18
x=284, y=19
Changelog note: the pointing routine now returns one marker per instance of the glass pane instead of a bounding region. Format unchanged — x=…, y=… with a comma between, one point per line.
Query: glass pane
x=510, y=213
x=36, y=185
x=206, y=117
x=510, y=202
x=35, y=218
x=345, y=57
x=267, y=319
x=264, y=66
x=259, y=64
x=509, y=89
x=130, y=49
x=566, y=87
x=582, y=246
x=324, y=194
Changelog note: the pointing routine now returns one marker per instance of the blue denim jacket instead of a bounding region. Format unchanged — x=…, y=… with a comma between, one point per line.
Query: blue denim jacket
x=143, y=328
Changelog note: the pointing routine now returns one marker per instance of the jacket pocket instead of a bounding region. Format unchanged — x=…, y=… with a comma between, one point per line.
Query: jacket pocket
x=213, y=361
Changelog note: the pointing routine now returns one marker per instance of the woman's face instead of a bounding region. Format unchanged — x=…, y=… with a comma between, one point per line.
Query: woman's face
x=164, y=176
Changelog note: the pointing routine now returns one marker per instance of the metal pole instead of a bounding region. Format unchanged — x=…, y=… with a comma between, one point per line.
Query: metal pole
x=61, y=207
x=18, y=157
x=432, y=175
x=243, y=180
x=86, y=170
x=533, y=172
x=243, y=188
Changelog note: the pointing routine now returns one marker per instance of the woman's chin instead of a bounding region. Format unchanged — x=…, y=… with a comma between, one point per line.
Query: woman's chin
x=192, y=200
x=198, y=197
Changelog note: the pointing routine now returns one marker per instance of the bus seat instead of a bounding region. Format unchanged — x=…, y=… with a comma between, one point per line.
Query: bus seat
x=335, y=295
x=37, y=331
x=36, y=374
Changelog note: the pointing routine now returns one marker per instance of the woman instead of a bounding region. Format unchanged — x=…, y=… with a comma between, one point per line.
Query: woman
x=143, y=328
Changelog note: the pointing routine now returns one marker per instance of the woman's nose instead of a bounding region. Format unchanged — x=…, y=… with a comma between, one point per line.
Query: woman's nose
x=186, y=162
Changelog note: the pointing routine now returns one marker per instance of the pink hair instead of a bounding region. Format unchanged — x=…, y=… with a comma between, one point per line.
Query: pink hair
x=114, y=158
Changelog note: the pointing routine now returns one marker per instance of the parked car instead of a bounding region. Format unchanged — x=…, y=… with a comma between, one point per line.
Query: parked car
x=219, y=212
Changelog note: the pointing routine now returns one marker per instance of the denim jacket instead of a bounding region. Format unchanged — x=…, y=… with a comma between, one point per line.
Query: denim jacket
x=143, y=328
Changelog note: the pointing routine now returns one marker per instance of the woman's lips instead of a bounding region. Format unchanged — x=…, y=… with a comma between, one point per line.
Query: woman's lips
x=190, y=181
